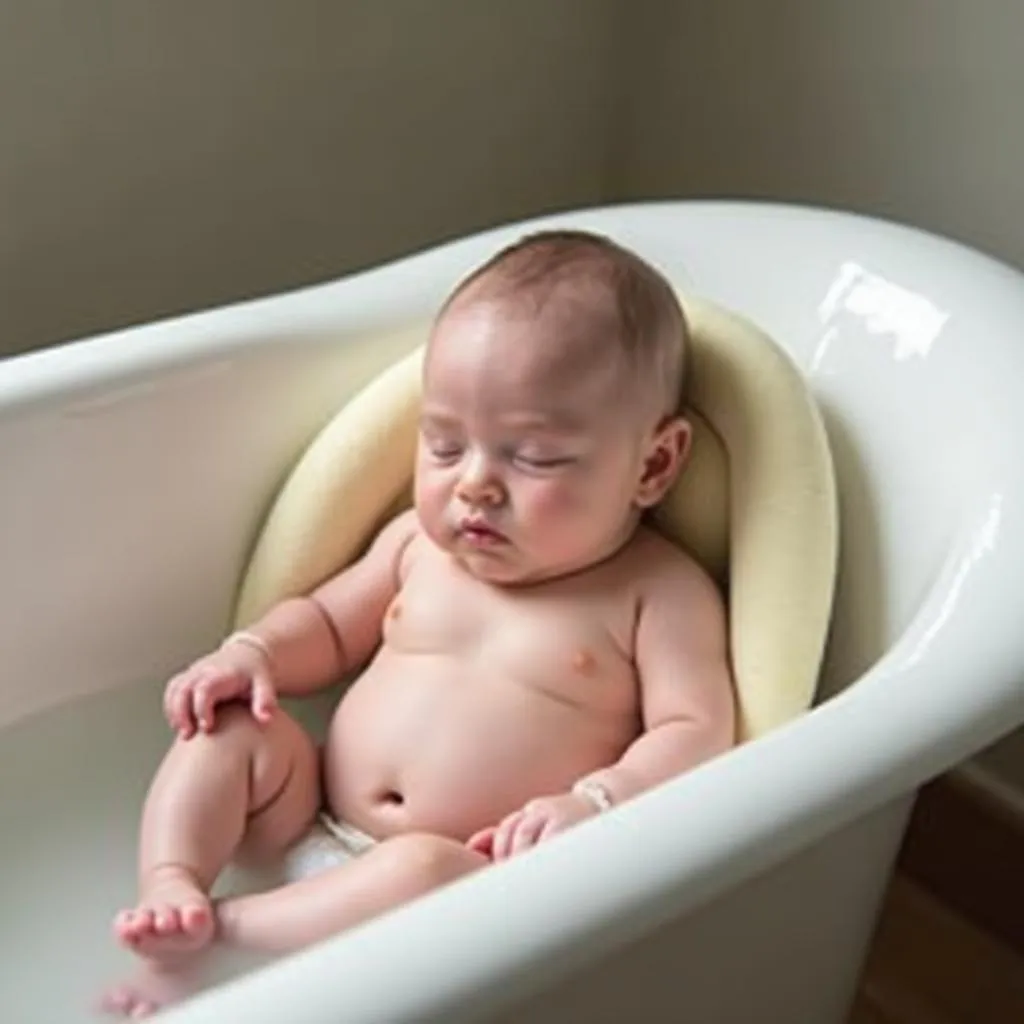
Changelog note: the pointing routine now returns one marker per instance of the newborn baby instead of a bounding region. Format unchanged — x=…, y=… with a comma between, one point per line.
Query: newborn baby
x=530, y=651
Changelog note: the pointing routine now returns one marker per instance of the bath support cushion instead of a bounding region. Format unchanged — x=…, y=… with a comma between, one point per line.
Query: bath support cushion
x=756, y=504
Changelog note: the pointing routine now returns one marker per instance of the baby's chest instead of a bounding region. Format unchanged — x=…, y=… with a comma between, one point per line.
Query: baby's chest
x=538, y=636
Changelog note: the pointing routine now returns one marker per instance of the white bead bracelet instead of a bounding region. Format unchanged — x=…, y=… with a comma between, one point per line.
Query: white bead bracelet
x=595, y=792
x=243, y=636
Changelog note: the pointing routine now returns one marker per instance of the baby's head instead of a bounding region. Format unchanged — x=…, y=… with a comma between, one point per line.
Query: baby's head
x=552, y=384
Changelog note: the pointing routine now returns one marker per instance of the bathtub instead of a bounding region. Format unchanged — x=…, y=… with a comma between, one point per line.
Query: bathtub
x=135, y=468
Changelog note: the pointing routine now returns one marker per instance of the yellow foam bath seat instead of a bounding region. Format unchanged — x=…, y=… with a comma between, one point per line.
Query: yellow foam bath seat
x=756, y=504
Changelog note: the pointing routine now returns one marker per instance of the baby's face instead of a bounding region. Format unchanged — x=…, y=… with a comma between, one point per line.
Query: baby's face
x=530, y=453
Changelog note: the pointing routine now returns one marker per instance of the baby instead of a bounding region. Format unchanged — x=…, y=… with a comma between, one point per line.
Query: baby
x=531, y=652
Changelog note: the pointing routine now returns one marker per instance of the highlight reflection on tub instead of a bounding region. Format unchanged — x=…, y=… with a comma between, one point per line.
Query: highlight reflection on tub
x=884, y=307
x=743, y=892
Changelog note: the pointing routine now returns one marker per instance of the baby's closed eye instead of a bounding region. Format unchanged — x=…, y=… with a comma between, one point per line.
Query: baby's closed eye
x=441, y=447
x=445, y=452
x=540, y=458
x=539, y=463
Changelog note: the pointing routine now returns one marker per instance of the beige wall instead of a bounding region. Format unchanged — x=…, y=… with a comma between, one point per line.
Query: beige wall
x=911, y=109
x=158, y=157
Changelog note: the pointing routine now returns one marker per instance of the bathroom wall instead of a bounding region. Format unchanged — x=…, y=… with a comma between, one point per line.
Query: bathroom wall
x=910, y=110
x=164, y=157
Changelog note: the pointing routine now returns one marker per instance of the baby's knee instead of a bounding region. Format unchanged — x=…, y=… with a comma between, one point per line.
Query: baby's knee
x=427, y=861
x=235, y=730
x=233, y=726
x=235, y=716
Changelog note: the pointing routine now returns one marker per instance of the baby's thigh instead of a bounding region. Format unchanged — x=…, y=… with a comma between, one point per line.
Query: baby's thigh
x=284, y=788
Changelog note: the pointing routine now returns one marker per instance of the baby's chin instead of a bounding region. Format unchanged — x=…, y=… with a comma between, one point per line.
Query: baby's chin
x=510, y=570
x=502, y=566
x=504, y=573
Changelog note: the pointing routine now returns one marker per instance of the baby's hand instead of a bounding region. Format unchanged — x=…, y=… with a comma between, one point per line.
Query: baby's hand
x=233, y=672
x=536, y=821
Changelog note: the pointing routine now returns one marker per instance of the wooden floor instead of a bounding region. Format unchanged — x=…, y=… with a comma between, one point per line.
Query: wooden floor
x=947, y=949
x=929, y=965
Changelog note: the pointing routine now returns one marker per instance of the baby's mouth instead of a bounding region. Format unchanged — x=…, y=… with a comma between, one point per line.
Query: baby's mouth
x=480, y=534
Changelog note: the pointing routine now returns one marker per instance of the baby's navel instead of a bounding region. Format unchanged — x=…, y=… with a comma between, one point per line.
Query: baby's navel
x=584, y=662
x=395, y=611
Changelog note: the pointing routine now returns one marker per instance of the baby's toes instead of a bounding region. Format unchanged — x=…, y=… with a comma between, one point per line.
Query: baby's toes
x=166, y=920
x=194, y=918
x=123, y=923
x=119, y=1000
x=124, y=1001
x=143, y=1008
x=132, y=925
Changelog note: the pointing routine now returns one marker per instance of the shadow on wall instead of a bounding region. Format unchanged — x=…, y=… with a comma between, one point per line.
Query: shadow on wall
x=156, y=160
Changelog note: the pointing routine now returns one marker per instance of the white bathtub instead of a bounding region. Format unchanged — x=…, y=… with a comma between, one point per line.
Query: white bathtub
x=134, y=469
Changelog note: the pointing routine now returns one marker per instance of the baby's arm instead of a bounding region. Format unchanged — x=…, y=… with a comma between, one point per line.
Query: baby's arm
x=686, y=702
x=311, y=641
x=686, y=692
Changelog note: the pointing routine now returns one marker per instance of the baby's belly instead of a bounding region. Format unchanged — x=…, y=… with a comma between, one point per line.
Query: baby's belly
x=424, y=743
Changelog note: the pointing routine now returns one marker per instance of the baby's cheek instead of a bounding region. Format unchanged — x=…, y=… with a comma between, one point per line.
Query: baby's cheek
x=429, y=494
x=552, y=502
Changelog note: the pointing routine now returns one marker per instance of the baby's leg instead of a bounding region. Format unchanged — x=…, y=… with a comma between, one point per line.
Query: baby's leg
x=244, y=779
x=316, y=908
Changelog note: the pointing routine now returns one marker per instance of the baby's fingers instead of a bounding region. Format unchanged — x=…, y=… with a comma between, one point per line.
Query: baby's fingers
x=483, y=841
x=178, y=705
x=501, y=846
x=208, y=692
x=551, y=828
x=264, y=698
x=528, y=831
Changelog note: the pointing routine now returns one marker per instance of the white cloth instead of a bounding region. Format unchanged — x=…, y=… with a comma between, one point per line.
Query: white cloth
x=327, y=844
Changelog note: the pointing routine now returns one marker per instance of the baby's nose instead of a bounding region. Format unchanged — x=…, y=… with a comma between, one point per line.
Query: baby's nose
x=479, y=486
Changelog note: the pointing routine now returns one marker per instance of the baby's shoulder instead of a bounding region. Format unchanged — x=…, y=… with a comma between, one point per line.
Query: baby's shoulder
x=399, y=531
x=662, y=570
x=391, y=545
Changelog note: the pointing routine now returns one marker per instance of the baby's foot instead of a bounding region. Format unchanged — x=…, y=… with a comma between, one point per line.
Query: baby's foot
x=150, y=991
x=173, y=916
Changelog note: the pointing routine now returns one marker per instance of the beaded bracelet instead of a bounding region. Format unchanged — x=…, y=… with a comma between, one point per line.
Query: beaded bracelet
x=597, y=793
x=243, y=636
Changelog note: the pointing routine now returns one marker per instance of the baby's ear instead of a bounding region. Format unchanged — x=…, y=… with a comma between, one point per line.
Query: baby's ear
x=667, y=452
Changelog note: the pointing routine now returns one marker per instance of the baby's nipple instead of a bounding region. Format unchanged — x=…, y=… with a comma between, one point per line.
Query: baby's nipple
x=584, y=663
